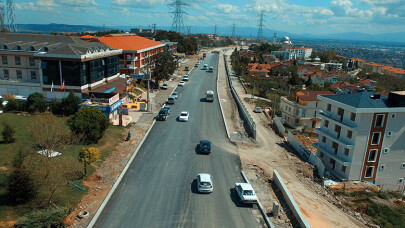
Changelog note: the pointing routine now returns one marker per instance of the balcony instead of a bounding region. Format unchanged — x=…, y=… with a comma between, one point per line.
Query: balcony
x=332, y=135
x=126, y=66
x=330, y=153
x=336, y=119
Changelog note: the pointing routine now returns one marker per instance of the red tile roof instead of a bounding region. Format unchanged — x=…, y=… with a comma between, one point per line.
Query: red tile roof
x=372, y=64
x=356, y=59
x=313, y=95
x=133, y=42
x=87, y=37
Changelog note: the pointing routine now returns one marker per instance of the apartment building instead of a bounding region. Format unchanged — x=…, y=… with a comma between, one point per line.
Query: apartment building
x=301, y=111
x=51, y=64
x=362, y=137
x=137, y=51
x=293, y=52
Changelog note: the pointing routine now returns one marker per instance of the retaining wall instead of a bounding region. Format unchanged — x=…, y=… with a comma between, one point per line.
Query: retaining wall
x=279, y=125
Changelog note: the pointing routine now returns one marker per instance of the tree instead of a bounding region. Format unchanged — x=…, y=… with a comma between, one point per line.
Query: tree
x=295, y=78
x=47, y=217
x=8, y=133
x=89, y=124
x=21, y=187
x=88, y=156
x=37, y=103
x=56, y=107
x=164, y=66
x=308, y=82
x=70, y=104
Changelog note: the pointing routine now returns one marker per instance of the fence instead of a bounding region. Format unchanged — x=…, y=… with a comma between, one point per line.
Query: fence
x=292, y=205
x=306, y=154
x=242, y=109
x=279, y=125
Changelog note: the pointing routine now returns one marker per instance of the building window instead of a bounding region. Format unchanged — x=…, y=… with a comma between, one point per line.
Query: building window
x=343, y=168
x=349, y=134
x=316, y=104
x=335, y=146
x=346, y=152
x=403, y=166
x=19, y=74
x=372, y=155
x=32, y=61
x=389, y=133
x=17, y=60
x=323, y=139
x=329, y=107
x=296, y=121
x=352, y=116
x=5, y=62
x=393, y=115
x=386, y=150
x=33, y=75
x=400, y=180
x=379, y=120
x=6, y=74
x=369, y=172
x=326, y=123
x=321, y=154
x=376, y=138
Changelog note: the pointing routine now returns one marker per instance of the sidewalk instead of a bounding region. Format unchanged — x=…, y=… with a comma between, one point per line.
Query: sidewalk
x=268, y=153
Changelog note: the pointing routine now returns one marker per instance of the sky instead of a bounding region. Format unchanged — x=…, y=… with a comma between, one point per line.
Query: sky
x=296, y=16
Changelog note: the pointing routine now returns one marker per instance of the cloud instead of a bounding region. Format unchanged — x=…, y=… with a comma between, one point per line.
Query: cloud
x=57, y=6
x=227, y=8
x=138, y=3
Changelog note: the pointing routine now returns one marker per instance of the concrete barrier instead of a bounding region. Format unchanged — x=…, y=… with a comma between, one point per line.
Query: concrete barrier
x=260, y=206
x=242, y=109
x=292, y=205
x=279, y=125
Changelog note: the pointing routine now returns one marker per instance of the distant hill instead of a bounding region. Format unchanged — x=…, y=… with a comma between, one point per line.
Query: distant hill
x=225, y=31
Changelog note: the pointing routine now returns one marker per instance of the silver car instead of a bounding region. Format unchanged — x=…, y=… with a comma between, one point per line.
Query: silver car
x=204, y=183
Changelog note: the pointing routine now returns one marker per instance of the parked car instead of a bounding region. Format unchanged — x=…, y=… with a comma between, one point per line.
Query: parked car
x=170, y=100
x=182, y=83
x=186, y=78
x=175, y=95
x=168, y=108
x=165, y=86
x=205, y=147
x=184, y=116
x=204, y=183
x=258, y=110
x=196, y=65
x=246, y=193
x=163, y=114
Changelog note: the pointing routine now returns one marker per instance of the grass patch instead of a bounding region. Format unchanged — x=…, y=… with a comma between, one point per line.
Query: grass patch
x=70, y=195
x=386, y=216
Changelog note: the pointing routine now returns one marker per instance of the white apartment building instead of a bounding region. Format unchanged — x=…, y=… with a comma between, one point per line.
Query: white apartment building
x=301, y=111
x=298, y=53
x=362, y=138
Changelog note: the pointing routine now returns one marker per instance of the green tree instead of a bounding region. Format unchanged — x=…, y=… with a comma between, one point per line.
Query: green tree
x=308, y=82
x=294, y=78
x=8, y=133
x=47, y=217
x=70, y=104
x=164, y=66
x=56, y=107
x=37, y=103
x=89, y=124
x=21, y=187
x=88, y=156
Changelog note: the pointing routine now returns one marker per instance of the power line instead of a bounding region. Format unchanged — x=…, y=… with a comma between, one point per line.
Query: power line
x=178, y=24
x=260, y=31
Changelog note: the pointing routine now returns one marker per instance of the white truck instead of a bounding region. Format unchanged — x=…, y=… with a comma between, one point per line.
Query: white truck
x=209, y=96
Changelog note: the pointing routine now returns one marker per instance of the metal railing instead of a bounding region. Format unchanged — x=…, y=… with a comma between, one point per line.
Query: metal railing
x=242, y=109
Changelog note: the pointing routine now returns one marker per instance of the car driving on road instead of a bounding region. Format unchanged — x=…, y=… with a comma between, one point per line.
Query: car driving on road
x=205, y=147
x=184, y=116
x=246, y=193
x=204, y=183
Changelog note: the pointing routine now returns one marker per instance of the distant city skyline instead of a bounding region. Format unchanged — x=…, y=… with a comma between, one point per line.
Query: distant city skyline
x=295, y=16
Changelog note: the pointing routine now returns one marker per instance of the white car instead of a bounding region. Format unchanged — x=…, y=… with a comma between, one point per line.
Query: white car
x=184, y=116
x=186, y=78
x=175, y=95
x=204, y=183
x=246, y=193
x=182, y=83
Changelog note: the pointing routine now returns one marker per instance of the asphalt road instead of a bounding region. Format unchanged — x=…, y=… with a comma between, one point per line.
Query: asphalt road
x=159, y=188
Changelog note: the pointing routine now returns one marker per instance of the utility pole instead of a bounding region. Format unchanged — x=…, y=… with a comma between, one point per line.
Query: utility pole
x=149, y=108
x=154, y=29
x=215, y=30
x=260, y=31
x=178, y=25
x=233, y=30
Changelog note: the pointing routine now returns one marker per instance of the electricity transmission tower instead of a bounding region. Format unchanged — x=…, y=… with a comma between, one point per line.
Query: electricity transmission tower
x=154, y=29
x=11, y=17
x=178, y=25
x=233, y=30
x=188, y=30
x=2, y=15
x=215, y=30
x=260, y=32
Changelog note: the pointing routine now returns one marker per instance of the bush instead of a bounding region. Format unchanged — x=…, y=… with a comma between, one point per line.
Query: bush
x=8, y=133
x=16, y=105
x=56, y=107
x=70, y=104
x=37, y=103
x=89, y=124
x=21, y=187
x=48, y=217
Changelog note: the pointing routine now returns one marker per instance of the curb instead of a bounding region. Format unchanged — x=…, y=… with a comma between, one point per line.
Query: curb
x=260, y=206
x=220, y=106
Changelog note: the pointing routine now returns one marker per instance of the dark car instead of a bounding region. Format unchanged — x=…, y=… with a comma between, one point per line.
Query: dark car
x=205, y=146
x=168, y=108
x=163, y=113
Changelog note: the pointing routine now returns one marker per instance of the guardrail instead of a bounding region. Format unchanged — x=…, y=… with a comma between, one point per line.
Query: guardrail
x=242, y=109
